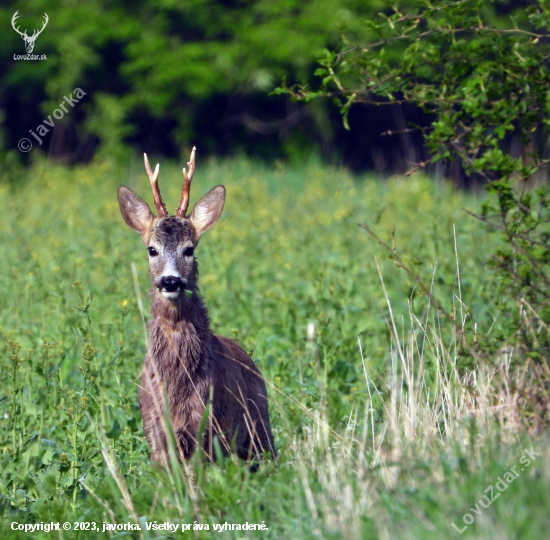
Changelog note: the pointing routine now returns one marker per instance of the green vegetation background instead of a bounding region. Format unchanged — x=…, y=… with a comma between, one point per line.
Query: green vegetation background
x=385, y=428
x=286, y=253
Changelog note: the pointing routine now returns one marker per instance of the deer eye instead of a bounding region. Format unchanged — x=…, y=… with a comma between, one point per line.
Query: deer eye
x=152, y=252
x=189, y=252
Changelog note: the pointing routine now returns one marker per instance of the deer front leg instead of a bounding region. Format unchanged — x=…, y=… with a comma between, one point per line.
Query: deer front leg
x=151, y=405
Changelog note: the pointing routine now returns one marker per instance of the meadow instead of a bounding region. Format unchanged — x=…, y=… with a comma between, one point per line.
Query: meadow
x=386, y=425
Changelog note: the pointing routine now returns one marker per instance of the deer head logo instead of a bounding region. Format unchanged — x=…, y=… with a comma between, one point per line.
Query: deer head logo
x=29, y=40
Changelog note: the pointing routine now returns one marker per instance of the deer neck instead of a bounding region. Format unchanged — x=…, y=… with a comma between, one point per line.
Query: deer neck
x=180, y=333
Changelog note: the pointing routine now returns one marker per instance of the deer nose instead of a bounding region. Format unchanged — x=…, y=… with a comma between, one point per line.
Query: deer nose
x=170, y=283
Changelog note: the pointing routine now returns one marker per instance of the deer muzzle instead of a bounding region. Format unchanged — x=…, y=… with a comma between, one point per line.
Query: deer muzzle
x=171, y=286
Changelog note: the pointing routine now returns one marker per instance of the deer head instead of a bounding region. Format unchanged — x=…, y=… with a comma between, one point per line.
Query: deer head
x=171, y=240
x=29, y=40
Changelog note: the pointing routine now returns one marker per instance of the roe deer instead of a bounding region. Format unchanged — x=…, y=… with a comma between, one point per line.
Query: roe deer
x=186, y=364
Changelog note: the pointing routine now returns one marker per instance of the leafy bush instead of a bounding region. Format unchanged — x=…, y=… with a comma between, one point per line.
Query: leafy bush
x=486, y=87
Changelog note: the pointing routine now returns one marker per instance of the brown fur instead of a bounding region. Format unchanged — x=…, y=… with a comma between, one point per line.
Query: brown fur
x=187, y=367
x=189, y=360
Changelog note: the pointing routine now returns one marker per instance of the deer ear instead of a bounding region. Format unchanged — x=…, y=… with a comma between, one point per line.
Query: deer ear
x=135, y=211
x=208, y=210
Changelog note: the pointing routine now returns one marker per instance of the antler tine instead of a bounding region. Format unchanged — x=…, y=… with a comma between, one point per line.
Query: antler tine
x=46, y=19
x=187, y=177
x=13, y=20
x=153, y=178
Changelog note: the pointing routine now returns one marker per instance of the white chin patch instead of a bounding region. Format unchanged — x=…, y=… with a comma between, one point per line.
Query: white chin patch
x=172, y=295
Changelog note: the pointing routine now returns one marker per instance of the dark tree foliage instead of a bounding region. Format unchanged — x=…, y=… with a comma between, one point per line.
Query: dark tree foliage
x=163, y=75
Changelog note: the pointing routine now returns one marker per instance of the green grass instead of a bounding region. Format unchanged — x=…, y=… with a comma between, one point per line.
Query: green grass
x=385, y=428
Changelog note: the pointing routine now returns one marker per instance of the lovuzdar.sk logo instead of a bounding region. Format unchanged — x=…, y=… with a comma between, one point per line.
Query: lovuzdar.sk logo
x=29, y=40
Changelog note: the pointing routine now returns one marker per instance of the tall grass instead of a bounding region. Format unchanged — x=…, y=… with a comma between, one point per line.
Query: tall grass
x=387, y=427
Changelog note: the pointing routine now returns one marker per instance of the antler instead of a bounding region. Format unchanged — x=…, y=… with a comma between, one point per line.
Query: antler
x=36, y=33
x=13, y=19
x=187, y=177
x=153, y=178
